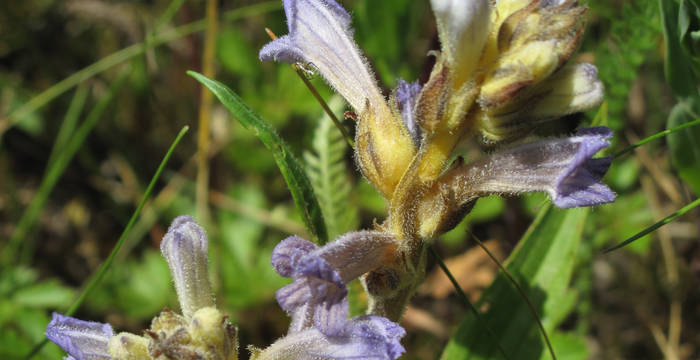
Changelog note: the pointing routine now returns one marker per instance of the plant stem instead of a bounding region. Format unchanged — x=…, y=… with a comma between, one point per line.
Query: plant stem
x=656, y=136
x=659, y=224
x=205, y=104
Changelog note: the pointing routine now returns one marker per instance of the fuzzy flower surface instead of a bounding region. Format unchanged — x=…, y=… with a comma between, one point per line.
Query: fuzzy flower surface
x=503, y=77
x=317, y=300
x=201, y=332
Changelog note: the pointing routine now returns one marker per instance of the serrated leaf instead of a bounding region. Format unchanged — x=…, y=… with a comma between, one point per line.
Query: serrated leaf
x=542, y=264
x=292, y=171
x=685, y=144
x=328, y=173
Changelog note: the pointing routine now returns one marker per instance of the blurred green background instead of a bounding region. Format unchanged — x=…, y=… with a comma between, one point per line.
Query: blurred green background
x=107, y=80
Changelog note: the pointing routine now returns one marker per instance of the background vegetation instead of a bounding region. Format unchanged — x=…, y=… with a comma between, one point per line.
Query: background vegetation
x=92, y=93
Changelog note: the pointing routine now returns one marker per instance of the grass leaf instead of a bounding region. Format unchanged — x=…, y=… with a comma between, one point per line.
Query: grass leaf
x=292, y=170
x=542, y=264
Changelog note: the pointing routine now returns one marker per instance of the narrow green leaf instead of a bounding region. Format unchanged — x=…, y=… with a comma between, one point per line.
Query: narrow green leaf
x=689, y=32
x=678, y=69
x=291, y=169
x=542, y=264
x=682, y=211
x=685, y=144
x=62, y=156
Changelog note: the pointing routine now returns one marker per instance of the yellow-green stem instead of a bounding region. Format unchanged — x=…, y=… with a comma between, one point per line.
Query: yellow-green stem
x=205, y=103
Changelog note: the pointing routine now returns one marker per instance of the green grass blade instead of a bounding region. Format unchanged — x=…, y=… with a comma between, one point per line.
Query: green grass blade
x=656, y=136
x=291, y=169
x=69, y=122
x=684, y=210
x=464, y=298
x=55, y=170
x=684, y=146
x=542, y=264
x=677, y=68
x=121, y=56
x=102, y=270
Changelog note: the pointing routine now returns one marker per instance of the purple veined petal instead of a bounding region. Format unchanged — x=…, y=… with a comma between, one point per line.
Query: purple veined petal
x=563, y=167
x=364, y=337
x=463, y=27
x=288, y=253
x=185, y=248
x=406, y=98
x=82, y=340
x=358, y=252
x=579, y=184
x=317, y=296
x=320, y=36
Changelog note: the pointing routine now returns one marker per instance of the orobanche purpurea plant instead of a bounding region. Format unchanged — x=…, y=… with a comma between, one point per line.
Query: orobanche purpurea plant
x=502, y=77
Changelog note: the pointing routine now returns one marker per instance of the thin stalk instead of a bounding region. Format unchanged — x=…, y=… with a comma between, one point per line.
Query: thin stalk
x=70, y=121
x=168, y=14
x=121, y=56
x=520, y=290
x=102, y=270
x=464, y=298
x=205, y=104
x=657, y=225
x=56, y=168
x=318, y=97
x=656, y=136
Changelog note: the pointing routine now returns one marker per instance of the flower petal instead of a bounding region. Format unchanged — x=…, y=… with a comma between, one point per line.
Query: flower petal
x=317, y=296
x=463, y=27
x=363, y=337
x=185, y=248
x=406, y=95
x=564, y=168
x=288, y=253
x=320, y=37
x=82, y=340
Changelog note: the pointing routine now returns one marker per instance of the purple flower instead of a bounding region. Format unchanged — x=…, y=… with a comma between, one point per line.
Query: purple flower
x=320, y=37
x=563, y=167
x=406, y=97
x=185, y=248
x=362, y=337
x=82, y=340
x=317, y=296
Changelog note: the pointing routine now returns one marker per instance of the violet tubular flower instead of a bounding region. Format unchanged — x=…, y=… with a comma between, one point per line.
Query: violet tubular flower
x=82, y=340
x=317, y=300
x=318, y=295
x=364, y=337
x=202, y=332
